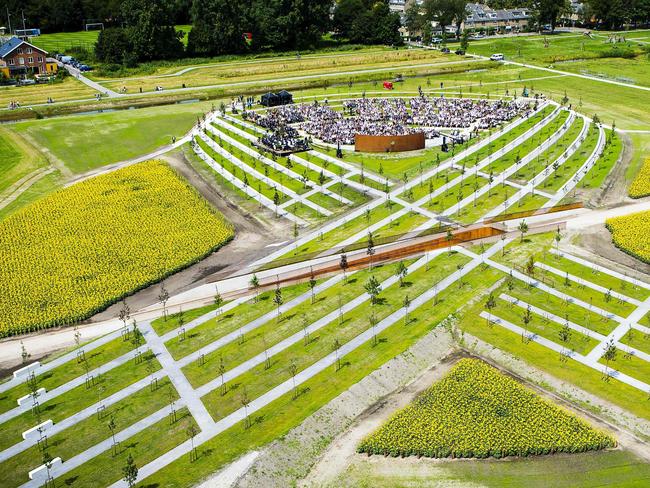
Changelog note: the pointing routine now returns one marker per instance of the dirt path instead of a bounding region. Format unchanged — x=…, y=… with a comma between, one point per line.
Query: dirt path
x=342, y=450
x=290, y=458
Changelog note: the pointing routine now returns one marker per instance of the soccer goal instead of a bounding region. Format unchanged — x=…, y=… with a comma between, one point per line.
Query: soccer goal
x=95, y=26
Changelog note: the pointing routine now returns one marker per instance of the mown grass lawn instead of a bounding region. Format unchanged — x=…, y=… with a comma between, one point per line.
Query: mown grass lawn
x=277, y=418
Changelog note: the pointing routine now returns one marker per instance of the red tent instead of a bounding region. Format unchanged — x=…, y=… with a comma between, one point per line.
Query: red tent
x=388, y=85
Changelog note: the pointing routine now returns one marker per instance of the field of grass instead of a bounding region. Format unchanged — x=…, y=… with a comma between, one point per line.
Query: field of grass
x=64, y=41
x=232, y=72
x=90, y=431
x=586, y=470
x=128, y=229
x=277, y=418
x=17, y=160
x=61, y=91
x=87, y=142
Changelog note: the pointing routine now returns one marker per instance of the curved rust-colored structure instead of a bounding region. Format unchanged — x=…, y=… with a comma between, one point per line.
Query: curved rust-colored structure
x=375, y=144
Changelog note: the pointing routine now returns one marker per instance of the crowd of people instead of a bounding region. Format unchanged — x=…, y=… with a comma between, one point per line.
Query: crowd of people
x=13, y=105
x=285, y=139
x=394, y=116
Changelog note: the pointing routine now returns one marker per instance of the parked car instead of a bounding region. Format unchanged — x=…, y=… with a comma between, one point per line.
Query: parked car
x=497, y=57
x=26, y=81
x=84, y=67
x=445, y=50
x=436, y=40
x=460, y=52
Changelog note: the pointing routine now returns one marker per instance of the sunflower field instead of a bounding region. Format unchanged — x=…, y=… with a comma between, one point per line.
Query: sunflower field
x=77, y=251
x=630, y=234
x=477, y=412
x=640, y=187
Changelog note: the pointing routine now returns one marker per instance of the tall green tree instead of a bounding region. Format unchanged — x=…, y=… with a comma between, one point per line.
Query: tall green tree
x=150, y=29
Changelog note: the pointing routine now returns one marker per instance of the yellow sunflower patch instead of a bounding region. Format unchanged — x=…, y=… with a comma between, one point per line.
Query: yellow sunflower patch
x=75, y=252
x=477, y=412
x=630, y=234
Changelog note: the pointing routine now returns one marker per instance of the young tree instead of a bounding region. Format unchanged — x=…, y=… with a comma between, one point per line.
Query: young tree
x=278, y=300
x=609, y=355
x=406, y=304
x=255, y=285
x=565, y=333
x=23, y=352
x=191, y=432
x=293, y=369
x=112, y=426
x=373, y=288
x=372, y=320
x=245, y=401
x=312, y=286
x=130, y=472
x=163, y=297
x=125, y=313
x=449, y=237
x=343, y=264
x=527, y=317
x=490, y=304
x=401, y=273
x=336, y=346
x=222, y=372
x=523, y=229
x=47, y=462
x=218, y=299
x=371, y=247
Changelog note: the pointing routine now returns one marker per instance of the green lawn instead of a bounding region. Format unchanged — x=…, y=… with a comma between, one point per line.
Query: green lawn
x=637, y=339
x=597, y=277
x=90, y=431
x=75, y=400
x=277, y=418
x=85, y=142
x=68, y=371
x=349, y=228
x=230, y=321
x=614, y=469
x=145, y=446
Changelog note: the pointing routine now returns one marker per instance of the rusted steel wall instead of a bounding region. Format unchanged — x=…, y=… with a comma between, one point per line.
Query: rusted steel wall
x=375, y=144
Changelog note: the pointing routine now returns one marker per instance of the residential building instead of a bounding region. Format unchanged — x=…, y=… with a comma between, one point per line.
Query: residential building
x=19, y=57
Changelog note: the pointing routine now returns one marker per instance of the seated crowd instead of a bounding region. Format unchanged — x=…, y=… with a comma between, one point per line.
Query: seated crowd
x=395, y=116
x=284, y=138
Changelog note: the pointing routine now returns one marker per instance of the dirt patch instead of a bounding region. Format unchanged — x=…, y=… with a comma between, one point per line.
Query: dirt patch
x=289, y=459
x=595, y=244
x=253, y=233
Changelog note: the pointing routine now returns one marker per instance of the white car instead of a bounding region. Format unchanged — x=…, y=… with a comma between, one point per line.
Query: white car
x=497, y=57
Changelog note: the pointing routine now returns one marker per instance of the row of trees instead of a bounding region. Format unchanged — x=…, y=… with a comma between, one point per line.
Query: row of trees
x=614, y=14
x=72, y=15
